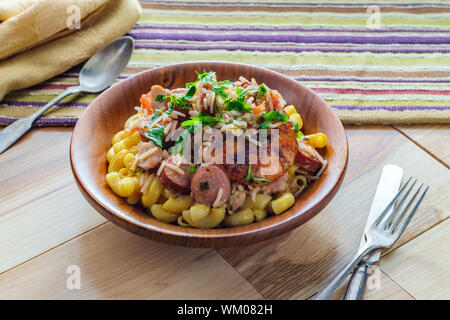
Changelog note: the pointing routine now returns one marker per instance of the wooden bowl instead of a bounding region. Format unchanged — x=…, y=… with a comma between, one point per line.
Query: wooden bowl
x=107, y=113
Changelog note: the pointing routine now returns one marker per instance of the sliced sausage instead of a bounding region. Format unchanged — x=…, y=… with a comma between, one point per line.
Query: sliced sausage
x=173, y=179
x=150, y=155
x=307, y=158
x=142, y=127
x=206, y=184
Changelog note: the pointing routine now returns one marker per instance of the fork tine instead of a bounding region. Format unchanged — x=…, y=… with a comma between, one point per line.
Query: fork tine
x=386, y=210
x=397, y=208
x=408, y=219
x=400, y=217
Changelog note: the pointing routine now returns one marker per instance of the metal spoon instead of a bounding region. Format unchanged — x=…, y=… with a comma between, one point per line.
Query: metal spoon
x=98, y=73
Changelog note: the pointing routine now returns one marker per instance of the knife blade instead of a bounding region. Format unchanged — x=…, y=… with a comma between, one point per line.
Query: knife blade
x=390, y=180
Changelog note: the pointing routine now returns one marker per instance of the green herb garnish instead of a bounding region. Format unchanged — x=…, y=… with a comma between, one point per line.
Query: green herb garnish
x=156, y=115
x=191, y=170
x=220, y=91
x=183, y=100
x=161, y=98
x=238, y=105
x=202, y=119
x=178, y=146
x=262, y=90
x=217, y=87
x=273, y=116
x=156, y=135
x=251, y=177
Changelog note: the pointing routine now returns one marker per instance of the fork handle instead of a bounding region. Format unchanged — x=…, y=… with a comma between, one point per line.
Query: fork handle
x=357, y=283
x=328, y=291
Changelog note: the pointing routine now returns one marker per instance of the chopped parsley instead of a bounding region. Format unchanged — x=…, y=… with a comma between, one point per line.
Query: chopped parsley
x=156, y=135
x=184, y=100
x=191, y=170
x=262, y=90
x=161, y=98
x=220, y=91
x=238, y=103
x=251, y=177
x=238, y=106
x=201, y=118
x=170, y=110
x=273, y=116
x=178, y=146
x=156, y=115
x=216, y=86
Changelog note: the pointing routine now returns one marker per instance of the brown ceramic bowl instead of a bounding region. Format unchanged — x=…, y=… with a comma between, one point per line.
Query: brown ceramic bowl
x=106, y=115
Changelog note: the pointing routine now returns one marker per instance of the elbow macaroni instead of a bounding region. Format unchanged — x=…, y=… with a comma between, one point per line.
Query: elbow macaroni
x=284, y=202
x=138, y=186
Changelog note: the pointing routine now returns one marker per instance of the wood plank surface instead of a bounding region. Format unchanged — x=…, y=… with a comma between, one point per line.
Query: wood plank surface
x=433, y=138
x=296, y=265
x=42, y=209
x=422, y=266
x=36, y=165
x=378, y=287
x=115, y=264
x=41, y=205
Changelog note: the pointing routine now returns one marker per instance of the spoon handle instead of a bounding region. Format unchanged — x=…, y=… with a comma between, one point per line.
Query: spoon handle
x=18, y=128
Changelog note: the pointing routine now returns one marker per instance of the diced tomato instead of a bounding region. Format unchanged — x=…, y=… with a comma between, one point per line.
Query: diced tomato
x=275, y=100
x=259, y=109
x=208, y=86
x=146, y=102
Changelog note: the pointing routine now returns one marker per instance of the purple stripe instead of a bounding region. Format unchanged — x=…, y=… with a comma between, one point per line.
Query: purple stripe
x=281, y=49
x=45, y=121
x=291, y=38
x=138, y=27
x=354, y=5
x=394, y=108
x=41, y=104
x=372, y=79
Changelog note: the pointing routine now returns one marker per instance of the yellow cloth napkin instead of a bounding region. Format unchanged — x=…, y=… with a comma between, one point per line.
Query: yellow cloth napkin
x=103, y=21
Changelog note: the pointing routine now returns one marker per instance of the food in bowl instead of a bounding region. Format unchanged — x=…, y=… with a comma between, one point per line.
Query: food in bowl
x=214, y=154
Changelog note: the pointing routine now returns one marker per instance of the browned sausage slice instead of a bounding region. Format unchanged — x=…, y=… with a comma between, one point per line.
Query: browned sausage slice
x=173, y=179
x=307, y=158
x=142, y=127
x=150, y=155
x=206, y=184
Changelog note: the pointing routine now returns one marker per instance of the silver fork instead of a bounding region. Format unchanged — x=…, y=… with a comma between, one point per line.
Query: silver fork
x=381, y=234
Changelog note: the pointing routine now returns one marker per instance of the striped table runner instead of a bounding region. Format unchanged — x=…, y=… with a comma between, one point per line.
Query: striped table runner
x=394, y=72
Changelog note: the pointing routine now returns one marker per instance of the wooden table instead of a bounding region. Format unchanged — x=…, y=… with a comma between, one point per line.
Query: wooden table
x=46, y=226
